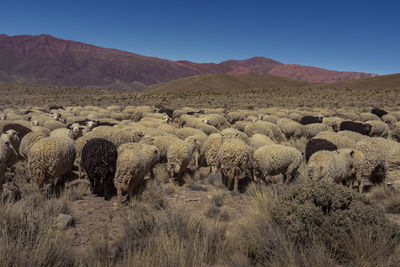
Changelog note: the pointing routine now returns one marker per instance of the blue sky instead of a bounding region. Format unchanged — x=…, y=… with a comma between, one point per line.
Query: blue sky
x=342, y=35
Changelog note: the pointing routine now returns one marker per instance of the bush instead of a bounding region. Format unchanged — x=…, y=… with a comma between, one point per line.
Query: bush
x=330, y=213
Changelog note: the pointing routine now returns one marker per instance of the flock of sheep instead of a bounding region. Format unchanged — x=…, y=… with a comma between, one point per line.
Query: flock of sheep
x=119, y=147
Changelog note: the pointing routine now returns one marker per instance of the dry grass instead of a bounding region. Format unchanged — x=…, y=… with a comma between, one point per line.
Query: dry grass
x=387, y=197
x=289, y=96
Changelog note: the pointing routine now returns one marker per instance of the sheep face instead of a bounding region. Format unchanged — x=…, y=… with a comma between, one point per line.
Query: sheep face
x=368, y=128
x=92, y=124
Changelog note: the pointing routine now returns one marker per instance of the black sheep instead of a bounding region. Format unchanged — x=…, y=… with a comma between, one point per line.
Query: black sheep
x=315, y=145
x=357, y=127
x=99, y=159
x=20, y=129
x=167, y=111
x=56, y=107
x=378, y=112
x=310, y=119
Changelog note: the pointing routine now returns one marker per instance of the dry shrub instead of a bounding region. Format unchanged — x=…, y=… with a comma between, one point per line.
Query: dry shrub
x=160, y=235
x=330, y=214
x=315, y=224
x=388, y=198
x=27, y=235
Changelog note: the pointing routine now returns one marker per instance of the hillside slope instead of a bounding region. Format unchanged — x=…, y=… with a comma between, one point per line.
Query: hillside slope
x=225, y=83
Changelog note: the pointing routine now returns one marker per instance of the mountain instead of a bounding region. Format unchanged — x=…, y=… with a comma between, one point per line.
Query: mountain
x=226, y=82
x=44, y=59
x=383, y=82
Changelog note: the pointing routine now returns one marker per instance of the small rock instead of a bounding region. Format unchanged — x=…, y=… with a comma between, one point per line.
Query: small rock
x=63, y=221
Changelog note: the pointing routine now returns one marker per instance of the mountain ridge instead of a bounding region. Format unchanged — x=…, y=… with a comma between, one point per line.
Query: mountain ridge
x=49, y=60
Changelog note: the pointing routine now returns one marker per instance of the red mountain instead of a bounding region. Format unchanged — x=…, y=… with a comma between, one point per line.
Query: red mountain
x=48, y=60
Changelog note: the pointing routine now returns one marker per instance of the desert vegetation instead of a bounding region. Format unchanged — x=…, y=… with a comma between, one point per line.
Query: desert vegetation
x=121, y=178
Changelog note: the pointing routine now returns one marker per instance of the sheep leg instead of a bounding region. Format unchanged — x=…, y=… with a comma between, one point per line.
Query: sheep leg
x=91, y=180
x=152, y=176
x=107, y=185
x=236, y=185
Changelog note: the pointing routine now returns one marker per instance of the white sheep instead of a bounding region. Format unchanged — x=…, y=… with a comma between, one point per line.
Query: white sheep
x=333, y=166
x=179, y=155
x=340, y=141
x=270, y=160
x=133, y=164
x=290, y=128
x=209, y=151
x=28, y=141
x=311, y=130
x=235, y=159
x=378, y=128
x=74, y=131
x=51, y=158
x=259, y=140
x=8, y=154
x=377, y=152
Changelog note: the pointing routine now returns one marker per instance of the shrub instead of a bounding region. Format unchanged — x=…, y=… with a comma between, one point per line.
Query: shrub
x=330, y=213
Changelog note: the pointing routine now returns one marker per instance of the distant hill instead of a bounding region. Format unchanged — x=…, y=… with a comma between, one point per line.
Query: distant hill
x=44, y=59
x=225, y=83
x=229, y=82
x=391, y=81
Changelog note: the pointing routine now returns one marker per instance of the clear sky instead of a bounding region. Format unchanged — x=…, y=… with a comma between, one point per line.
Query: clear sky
x=342, y=35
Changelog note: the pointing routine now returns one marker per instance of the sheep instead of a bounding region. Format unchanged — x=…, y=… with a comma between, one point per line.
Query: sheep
x=188, y=131
x=390, y=120
x=357, y=127
x=311, y=130
x=240, y=125
x=395, y=134
x=377, y=150
x=311, y=119
x=188, y=121
x=315, y=145
x=260, y=127
x=28, y=141
x=378, y=112
x=162, y=143
x=99, y=159
x=378, y=129
x=356, y=137
x=235, y=159
x=216, y=120
x=169, y=129
x=196, y=142
x=53, y=124
x=290, y=128
x=339, y=140
x=167, y=111
x=259, y=140
x=270, y=118
x=333, y=166
x=40, y=129
x=51, y=158
x=179, y=155
x=334, y=122
x=114, y=108
x=21, y=130
x=8, y=155
x=295, y=116
x=209, y=151
x=74, y=131
x=366, y=116
x=207, y=129
x=230, y=133
x=235, y=116
x=272, y=160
